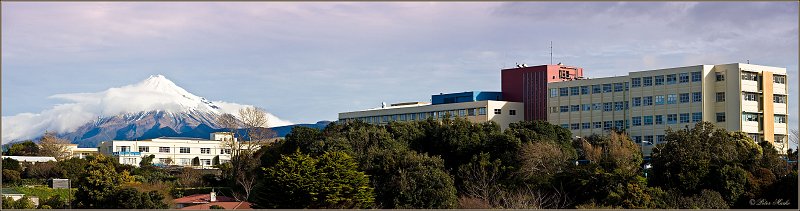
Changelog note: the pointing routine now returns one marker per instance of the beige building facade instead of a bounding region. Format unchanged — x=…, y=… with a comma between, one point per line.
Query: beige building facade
x=172, y=151
x=501, y=112
x=739, y=97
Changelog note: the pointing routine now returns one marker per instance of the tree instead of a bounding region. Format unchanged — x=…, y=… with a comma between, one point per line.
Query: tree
x=190, y=178
x=541, y=160
x=25, y=148
x=216, y=207
x=11, y=177
x=8, y=203
x=130, y=198
x=147, y=161
x=11, y=164
x=215, y=160
x=73, y=168
x=24, y=203
x=52, y=146
x=252, y=125
x=301, y=181
x=45, y=170
x=56, y=202
x=98, y=184
x=196, y=161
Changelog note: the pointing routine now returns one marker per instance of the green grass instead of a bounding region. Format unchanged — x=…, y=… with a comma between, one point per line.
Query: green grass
x=43, y=192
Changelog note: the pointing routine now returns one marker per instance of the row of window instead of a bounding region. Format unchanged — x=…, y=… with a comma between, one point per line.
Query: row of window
x=753, y=76
x=605, y=125
x=585, y=90
x=425, y=115
x=670, y=119
x=184, y=150
x=752, y=96
x=608, y=106
x=666, y=79
x=648, y=140
x=667, y=99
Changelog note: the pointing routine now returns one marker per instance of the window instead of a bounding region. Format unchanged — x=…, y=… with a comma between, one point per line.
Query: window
x=749, y=76
x=586, y=125
x=684, y=97
x=574, y=108
x=683, y=78
x=394, y=117
x=659, y=119
x=587, y=107
x=606, y=106
x=647, y=101
x=205, y=150
x=574, y=91
x=672, y=118
x=482, y=111
x=619, y=124
x=618, y=87
x=596, y=89
x=637, y=101
x=462, y=112
x=697, y=76
x=402, y=117
x=564, y=109
x=749, y=96
x=659, y=80
x=553, y=92
x=163, y=149
x=636, y=82
x=697, y=97
x=185, y=150
x=697, y=116
x=671, y=79
x=565, y=126
x=414, y=115
x=498, y=111
x=779, y=79
x=205, y=162
x=720, y=76
x=124, y=148
x=637, y=121
x=607, y=88
x=779, y=98
x=618, y=106
x=780, y=118
x=563, y=91
x=750, y=117
x=672, y=99
x=607, y=125
x=597, y=106
x=385, y=118
x=553, y=109
x=585, y=90
x=720, y=96
x=627, y=86
x=575, y=126
x=647, y=81
x=637, y=139
x=648, y=140
x=659, y=99
x=144, y=149
x=512, y=112
x=598, y=125
x=648, y=120
x=626, y=105
x=721, y=117
x=684, y=118
x=163, y=160
x=660, y=138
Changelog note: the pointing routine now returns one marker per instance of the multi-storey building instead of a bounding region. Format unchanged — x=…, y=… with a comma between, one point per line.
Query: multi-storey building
x=529, y=86
x=738, y=97
x=474, y=106
x=172, y=151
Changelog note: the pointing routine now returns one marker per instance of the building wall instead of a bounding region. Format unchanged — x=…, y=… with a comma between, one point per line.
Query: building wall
x=662, y=104
x=529, y=85
x=197, y=148
x=463, y=110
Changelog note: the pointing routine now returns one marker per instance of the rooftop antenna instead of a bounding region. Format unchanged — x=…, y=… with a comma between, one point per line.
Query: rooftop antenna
x=748, y=61
x=551, y=52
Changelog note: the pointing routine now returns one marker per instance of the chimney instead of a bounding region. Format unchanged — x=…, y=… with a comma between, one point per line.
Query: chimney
x=213, y=196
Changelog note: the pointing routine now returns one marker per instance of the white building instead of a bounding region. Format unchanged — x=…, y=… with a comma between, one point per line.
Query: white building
x=172, y=151
x=501, y=112
x=737, y=97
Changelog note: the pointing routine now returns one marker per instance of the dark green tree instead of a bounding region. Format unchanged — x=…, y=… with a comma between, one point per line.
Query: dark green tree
x=12, y=164
x=11, y=177
x=25, y=148
x=98, y=184
x=147, y=161
x=301, y=181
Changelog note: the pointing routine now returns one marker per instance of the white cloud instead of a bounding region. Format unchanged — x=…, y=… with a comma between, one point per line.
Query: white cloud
x=154, y=94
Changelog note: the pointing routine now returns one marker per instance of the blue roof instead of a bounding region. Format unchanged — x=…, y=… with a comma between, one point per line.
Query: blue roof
x=461, y=97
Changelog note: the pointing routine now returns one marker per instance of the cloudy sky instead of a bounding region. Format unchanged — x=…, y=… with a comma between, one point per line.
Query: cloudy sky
x=306, y=62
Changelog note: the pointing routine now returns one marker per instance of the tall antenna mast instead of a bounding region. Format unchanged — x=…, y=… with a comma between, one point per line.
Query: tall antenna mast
x=551, y=52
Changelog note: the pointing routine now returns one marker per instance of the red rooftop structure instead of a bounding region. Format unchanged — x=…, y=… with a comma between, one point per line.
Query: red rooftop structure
x=529, y=86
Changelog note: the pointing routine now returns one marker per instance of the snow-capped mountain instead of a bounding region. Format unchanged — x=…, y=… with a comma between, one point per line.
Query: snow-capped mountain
x=151, y=108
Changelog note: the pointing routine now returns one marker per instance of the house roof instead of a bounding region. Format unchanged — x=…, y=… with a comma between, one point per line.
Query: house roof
x=234, y=205
x=31, y=158
x=202, y=198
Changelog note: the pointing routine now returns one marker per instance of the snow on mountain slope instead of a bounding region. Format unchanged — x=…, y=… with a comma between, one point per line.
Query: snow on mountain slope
x=156, y=97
